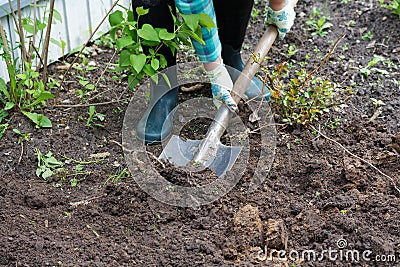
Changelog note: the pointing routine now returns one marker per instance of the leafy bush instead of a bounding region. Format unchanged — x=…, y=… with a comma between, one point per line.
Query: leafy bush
x=138, y=46
x=299, y=97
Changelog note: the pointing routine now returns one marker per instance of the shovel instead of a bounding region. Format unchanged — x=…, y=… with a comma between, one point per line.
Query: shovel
x=210, y=152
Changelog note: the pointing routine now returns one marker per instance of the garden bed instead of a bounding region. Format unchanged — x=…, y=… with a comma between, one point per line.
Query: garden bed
x=320, y=188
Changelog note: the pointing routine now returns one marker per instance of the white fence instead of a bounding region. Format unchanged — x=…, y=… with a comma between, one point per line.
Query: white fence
x=79, y=19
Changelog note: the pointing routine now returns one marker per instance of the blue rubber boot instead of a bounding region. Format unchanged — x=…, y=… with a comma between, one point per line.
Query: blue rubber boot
x=156, y=124
x=232, y=58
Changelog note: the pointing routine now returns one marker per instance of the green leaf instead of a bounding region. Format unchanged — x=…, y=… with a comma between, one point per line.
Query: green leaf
x=192, y=21
x=91, y=111
x=148, y=33
x=40, y=120
x=42, y=97
x=165, y=35
x=9, y=105
x=138, y=62
x=3, y=88
x=53, y=162
x=206, y=21
x=155, y=63
x=151, y=72
x=141, y=11
x=130, y=17
x=132, y=82
x=163, y=61
x=116, y=18
x=38, y=172
x=47, y=173
x=29, y=28
x=124, y=41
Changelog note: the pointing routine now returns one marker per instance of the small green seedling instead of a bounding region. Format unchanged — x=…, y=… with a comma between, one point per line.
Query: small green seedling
x=94, y=116
x=22, y=136
x=292, y=50
x=377, y=103
x=318, y=23
x=47, y=164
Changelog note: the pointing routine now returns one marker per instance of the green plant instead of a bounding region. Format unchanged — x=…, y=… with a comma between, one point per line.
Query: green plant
x=26, y=90
x=138, y=46
x=22, y=136
x=319, y=24
x=369, y=68
x=300, y=98
x=94, y=116
x=105, y=40
x=366, y=36
x=47, y=164
x=292, y=50
x=377, y=103
x=392, y=5
x=255, y=13
x=332, y=124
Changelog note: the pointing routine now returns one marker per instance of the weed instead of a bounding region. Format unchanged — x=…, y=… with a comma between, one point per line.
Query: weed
x=255, y=13
x=47, y=164
x=318, y=23
x=377, y=103
x=367, y=70
x=332, y=124
x=292, y=50
x=366, y=36
x=116, y=178
x=298, y=96
x=94, y=116
x=106, y=41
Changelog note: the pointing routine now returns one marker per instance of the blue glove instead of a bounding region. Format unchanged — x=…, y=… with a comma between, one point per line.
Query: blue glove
x=221, y=86
x=283, y=19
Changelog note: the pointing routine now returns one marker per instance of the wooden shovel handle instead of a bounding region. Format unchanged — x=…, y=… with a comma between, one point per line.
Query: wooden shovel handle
x=251, y=67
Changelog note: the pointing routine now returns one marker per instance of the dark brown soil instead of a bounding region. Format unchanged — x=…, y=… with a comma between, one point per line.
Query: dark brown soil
x=315, y=195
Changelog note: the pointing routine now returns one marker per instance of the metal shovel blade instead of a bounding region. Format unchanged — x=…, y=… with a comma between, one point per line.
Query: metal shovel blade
x=181, y=152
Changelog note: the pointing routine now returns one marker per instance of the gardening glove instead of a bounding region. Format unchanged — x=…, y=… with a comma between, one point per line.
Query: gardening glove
x=283, y=19
x=221, y=87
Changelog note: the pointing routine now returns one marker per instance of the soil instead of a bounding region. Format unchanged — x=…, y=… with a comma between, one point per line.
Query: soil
x=316, y=196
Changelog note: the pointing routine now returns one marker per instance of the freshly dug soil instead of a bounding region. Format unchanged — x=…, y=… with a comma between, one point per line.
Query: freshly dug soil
x=321, y=193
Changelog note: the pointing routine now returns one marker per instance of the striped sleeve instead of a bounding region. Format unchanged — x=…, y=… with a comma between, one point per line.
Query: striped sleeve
x=211, y=50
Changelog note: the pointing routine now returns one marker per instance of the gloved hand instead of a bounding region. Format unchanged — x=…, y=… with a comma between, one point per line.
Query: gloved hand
x=221, y=86
x=283, y=19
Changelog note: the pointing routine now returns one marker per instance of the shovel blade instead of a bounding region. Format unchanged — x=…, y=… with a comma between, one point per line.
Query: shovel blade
x=181, y=152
